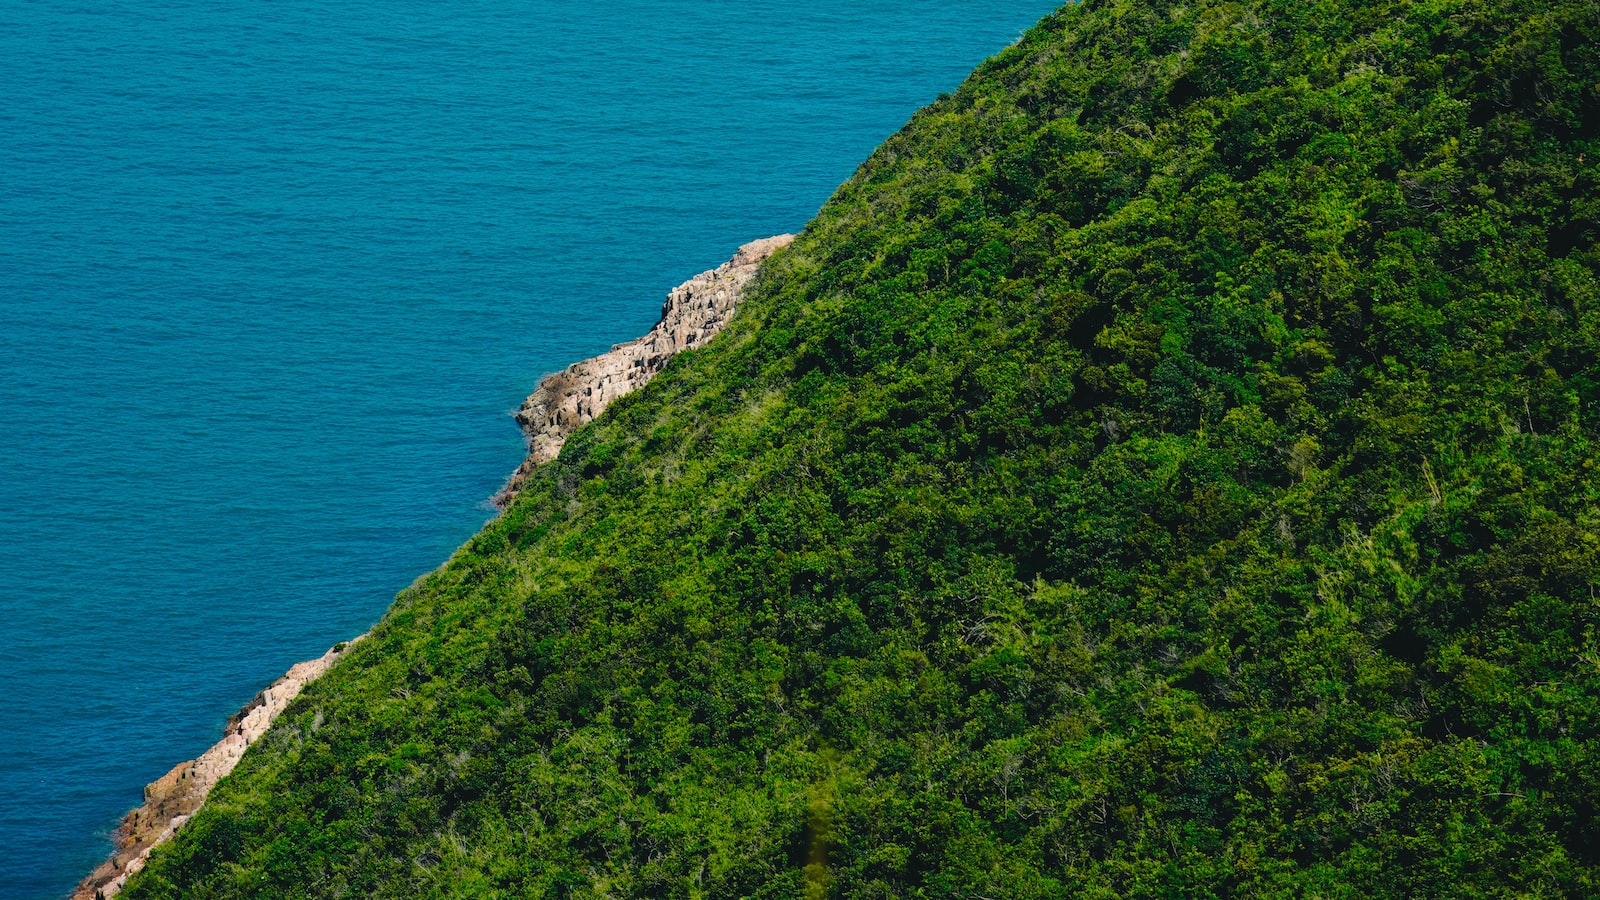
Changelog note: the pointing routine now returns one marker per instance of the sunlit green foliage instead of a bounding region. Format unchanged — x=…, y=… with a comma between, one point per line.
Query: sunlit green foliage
x=1168, y=468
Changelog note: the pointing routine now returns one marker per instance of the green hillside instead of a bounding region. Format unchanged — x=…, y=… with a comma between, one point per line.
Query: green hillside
x=1170, y=467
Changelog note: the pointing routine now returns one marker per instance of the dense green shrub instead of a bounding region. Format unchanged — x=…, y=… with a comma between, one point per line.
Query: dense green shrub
x=1168, y=468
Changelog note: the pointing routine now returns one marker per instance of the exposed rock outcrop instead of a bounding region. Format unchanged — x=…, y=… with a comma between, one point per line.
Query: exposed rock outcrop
x=693, y=314
x=170, y=800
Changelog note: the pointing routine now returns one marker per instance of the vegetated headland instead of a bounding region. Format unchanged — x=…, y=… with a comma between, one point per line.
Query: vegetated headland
x=1167, y=467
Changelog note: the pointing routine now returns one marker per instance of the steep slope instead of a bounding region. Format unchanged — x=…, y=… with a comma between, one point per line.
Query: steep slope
x=1168, y=468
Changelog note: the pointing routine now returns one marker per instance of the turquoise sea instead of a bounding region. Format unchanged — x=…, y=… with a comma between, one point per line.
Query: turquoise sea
x=273, y=275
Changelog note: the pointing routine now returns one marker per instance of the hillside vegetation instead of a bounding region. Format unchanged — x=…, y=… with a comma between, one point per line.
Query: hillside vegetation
x=1169, y=467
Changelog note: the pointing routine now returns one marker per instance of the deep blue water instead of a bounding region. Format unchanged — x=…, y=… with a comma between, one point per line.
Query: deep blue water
x=272, y=275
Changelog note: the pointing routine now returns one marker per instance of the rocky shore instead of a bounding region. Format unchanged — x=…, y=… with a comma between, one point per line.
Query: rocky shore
x=170, y=800
x=694, y=313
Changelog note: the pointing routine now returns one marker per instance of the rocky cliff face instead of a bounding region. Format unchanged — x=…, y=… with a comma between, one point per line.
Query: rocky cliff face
x=693, y=314
x=170, y=800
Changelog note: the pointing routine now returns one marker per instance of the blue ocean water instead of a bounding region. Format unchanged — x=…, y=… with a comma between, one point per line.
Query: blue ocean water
x=272, y=275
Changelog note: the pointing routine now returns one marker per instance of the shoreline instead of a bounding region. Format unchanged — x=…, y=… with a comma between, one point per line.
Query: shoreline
x=694, y=313
x=170, y=800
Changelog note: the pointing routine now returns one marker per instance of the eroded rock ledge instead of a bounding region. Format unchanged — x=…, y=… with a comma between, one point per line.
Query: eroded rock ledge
x=170, y=800
x=693, y=314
